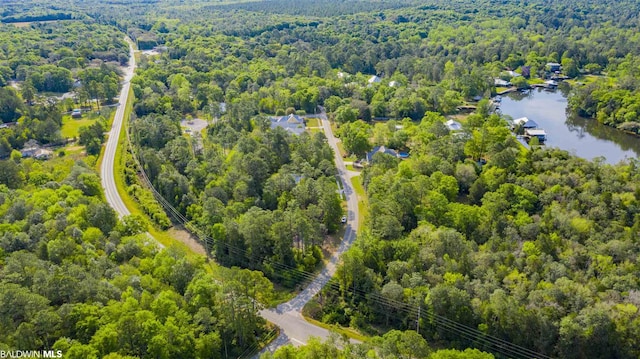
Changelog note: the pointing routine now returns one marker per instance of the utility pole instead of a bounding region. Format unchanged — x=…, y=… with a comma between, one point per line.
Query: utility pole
x=418, y=320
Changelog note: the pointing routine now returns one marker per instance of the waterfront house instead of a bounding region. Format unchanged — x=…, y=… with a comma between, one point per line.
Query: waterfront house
x=535, y=132
x=524, y=123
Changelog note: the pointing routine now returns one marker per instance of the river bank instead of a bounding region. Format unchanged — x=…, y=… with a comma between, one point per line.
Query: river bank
x=586, y=138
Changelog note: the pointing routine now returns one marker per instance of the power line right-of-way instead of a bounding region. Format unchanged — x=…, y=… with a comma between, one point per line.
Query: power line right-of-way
x=487, y=341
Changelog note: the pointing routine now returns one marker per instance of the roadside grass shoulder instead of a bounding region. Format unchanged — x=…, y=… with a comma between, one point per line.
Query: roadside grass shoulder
x=343, y=153
x=112, y=115
x=348, y=332
x=119, y=163
x=363, y=208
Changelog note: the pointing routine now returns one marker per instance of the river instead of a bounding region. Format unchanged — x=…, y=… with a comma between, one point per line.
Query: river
x=582, y=137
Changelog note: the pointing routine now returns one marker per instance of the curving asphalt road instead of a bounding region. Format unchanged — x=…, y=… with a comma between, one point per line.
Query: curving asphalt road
x=106, y=169
x=293, y=328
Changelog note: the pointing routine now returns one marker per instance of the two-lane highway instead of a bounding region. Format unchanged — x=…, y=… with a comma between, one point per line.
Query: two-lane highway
x=108, y=159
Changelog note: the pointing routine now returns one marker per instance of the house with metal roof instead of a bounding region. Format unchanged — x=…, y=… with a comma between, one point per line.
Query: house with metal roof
x=292, y=123
x=524, y=123
x=381, y=149
x=530, y=133
x=374, y=79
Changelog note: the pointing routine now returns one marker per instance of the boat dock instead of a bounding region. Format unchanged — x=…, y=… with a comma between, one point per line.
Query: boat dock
x=528, y=129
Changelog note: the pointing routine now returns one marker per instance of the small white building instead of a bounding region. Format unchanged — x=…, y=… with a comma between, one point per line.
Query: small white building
x=501, y=83
x=43, y=154
x=453, y=125
x=374, y=79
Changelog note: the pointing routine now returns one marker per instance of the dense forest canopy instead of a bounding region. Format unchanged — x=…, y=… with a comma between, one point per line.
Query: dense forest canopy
x=394, y=344
x=439, y=197
x=530, y=242
x=40, y=62
x=65, y=44
x=535, y=248
x=415, y=42
x=492, y=247
x=75, y=278
x=324, y=8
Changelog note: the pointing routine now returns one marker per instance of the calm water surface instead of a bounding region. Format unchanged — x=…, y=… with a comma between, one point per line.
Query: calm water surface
x=582, y=137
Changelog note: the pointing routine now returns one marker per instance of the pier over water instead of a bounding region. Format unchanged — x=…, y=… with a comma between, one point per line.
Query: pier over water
x=586, y=138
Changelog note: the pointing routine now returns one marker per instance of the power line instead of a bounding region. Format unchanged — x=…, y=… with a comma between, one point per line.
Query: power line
x=252, y=349
x=496, y=344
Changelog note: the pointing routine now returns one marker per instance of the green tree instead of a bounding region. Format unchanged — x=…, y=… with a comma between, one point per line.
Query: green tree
x=355, y=138
x=520, y=82
x=455, y=354
x=11, y=174
x=345, y=114
x=28, y=92
x=570, y=67
x=10, y=105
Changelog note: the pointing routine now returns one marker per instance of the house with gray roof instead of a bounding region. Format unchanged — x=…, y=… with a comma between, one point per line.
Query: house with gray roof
x=524, y=123
x=381, y=149
x=32, y=149
x=530, y=133
x=292, y=123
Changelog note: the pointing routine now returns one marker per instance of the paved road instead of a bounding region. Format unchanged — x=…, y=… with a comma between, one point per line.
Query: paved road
x=293, y=328
x=106, y=169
